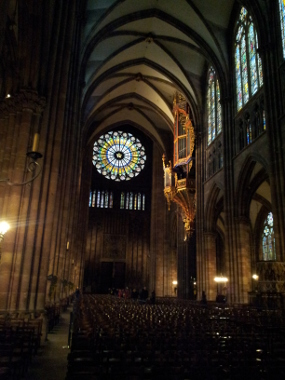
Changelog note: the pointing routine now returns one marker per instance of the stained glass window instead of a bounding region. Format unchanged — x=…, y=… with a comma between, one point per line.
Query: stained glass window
x=132, y=201
x=268, y=240
x=122, y=203
x=213, y=106
x=101, y=199
x=248, y=66
x=119, y=156
x=282, y=23
x=264, y=120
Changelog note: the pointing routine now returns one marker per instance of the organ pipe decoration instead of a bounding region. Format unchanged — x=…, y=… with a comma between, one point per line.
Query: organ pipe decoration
x=179, y=185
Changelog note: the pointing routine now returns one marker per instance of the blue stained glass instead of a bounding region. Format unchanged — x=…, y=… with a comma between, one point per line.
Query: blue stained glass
x=264, y=120
x=249, y=134
x=213, y=106
x=244, y=74
x=248, y=65
x=131, y=201
x=219, y=109
x=209, y=116
x=119, y=156
x=243, y=14
x=252, y=59
x=282, y=23
x=122, y=203
x=238, y=78
x=268, y=239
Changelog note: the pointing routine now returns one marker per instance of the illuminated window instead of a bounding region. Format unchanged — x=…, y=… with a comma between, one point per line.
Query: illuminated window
x=122, y=202
x=101, y=199
x=132, y=201
x=282, y=23
x=213, y=106
x=119, y=156
x=268, y=240
x=248, y=66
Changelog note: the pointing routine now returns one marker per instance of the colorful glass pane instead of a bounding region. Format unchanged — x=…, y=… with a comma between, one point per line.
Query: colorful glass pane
x=282, y=23
x=264, y=120
x=248, y=70
x=238, y=78
x=213, y=110
x=249, y=134
x=219, y=108
x=252, y=59
x=119, y=156
x=209, y=108
x=122, y=203
x=131, y=201
x=111, y=200
x=244, y=73
x=268, y=239
x=243, y=14
x=213, y=106
x=260, y=71
x=106, y=199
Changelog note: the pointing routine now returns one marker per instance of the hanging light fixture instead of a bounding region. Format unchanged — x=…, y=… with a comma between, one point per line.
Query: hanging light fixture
x=33, y=166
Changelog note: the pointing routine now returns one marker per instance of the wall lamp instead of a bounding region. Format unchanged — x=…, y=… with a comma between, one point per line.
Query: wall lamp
x=221, y=279
x=33, y=166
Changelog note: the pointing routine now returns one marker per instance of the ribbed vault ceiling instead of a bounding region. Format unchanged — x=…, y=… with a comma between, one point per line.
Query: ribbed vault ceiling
x=137, y=54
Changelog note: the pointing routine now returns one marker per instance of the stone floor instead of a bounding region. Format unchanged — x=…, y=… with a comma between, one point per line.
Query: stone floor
x=51, y=360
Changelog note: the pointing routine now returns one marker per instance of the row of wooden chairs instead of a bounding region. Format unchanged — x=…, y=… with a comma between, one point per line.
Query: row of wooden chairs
x=115, y=338
x=19, y=341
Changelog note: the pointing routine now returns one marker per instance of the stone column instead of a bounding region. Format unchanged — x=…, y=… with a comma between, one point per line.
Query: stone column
x=243, y=259
x=209, y=267
x=158, y=215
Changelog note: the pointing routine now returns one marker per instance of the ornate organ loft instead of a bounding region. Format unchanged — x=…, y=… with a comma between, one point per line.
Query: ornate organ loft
x=179, y=181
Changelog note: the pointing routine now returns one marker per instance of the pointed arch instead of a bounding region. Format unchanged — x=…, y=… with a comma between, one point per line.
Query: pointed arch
x=211, y=213
x=248, y=183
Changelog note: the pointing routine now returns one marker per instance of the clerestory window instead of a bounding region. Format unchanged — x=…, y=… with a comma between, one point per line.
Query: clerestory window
x=268, y=240
x=213, y=106
x=248, y=65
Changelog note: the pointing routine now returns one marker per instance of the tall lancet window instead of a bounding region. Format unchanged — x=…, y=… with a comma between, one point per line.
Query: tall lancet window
x=282, y=23
x=213, y=106
x=268, y=240
x=248, y=65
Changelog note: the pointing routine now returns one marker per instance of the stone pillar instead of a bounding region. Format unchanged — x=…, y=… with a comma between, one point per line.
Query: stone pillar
x=209, y=267
x=19, y=206
x=243, y=259
x=158, y=215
